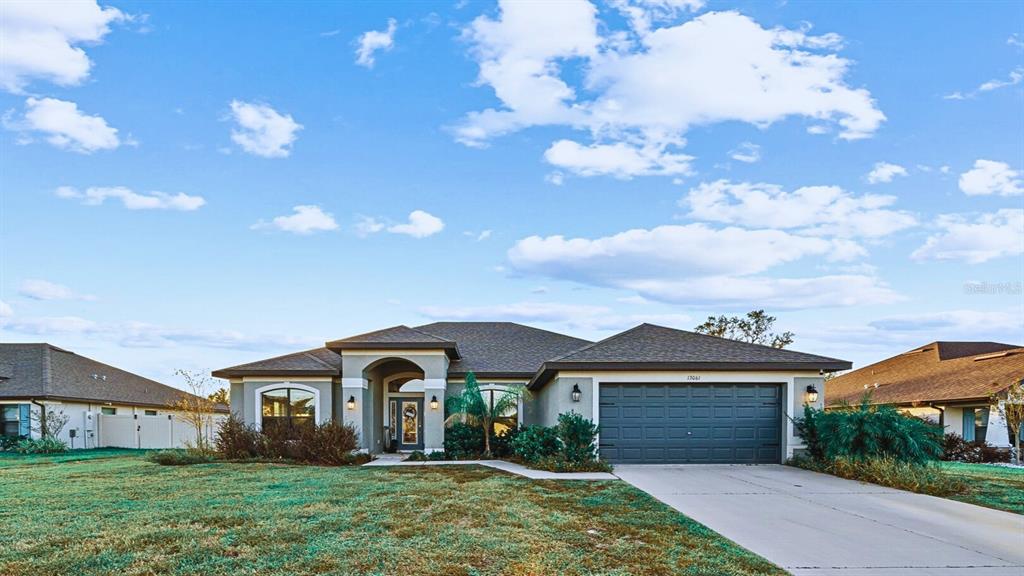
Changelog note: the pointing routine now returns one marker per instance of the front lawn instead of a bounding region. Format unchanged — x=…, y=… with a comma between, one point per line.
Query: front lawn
x=121, y=514
x=997, y=487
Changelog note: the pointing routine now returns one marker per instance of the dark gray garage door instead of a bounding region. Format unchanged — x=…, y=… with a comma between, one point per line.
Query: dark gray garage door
x=684, y=423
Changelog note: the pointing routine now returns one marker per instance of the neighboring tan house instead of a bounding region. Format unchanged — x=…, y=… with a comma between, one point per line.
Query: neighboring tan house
x=106, y=406
x=659, y=394
x=951, y=383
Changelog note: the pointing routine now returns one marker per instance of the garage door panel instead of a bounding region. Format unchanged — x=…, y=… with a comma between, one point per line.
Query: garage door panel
x=682, y=423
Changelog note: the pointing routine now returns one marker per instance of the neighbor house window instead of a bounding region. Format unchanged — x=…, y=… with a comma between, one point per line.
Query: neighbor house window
x=288, y=408
x=509, y=418
x=108, y=410
x=975, y=424
x=10, y=420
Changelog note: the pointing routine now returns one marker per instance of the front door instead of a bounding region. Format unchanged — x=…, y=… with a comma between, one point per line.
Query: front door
x=410, y=423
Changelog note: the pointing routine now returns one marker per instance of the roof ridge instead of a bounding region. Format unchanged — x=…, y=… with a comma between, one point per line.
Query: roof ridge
x=593, y=344
x=520, y=324
x=309, y=354
x=284, y=356
x=47, y=374
x=425, y=333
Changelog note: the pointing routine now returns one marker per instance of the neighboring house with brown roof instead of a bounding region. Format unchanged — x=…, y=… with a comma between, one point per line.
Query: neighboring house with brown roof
x=659, y=394
x=105, y=406
x=952, y=383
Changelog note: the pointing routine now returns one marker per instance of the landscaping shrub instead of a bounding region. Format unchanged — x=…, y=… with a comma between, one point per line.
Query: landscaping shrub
x=501, y=444
x=463, y=441
x=888, y=471
x=536, y=443
x=578, y=438
x=47, y=445
x=8, y=442
x=956, y=449
x=869, y=432
x=416, y=456
x=561, y=464
x=180, y=457
x=330, y=443
x=236, y=441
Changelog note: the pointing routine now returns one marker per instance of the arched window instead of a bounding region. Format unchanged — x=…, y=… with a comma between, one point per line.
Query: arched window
x=288, y=408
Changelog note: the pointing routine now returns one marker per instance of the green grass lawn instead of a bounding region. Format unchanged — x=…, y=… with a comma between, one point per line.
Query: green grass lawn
x=113, y=512
x=992, y=486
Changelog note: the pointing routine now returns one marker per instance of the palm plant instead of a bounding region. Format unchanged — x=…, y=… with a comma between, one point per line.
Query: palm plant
x=473, y=409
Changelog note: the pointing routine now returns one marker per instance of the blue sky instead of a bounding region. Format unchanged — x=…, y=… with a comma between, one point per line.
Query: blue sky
x=189, y=186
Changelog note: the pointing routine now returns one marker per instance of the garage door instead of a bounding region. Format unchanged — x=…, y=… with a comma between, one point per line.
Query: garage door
x=683, y=423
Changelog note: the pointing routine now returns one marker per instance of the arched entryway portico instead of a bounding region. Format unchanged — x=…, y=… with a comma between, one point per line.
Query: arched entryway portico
x=397, y=398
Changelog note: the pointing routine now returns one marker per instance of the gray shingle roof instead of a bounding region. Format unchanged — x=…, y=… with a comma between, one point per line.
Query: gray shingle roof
x=396, y=337
x=502, y=348
x=46, y=371
x=648, y=346
x=315, y=362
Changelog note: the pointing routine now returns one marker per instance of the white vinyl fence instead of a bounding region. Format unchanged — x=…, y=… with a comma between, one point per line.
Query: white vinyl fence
x=161, y=431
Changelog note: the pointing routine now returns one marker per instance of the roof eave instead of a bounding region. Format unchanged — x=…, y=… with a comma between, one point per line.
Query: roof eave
x=100, y=401
x=548, y=370
x=450, y=348
x=233, y=373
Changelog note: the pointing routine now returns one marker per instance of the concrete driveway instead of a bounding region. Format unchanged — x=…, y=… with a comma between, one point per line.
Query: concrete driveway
x=815, y=524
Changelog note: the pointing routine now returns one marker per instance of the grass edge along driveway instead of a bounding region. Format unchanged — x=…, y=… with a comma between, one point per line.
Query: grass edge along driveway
x=118, y=513
x=998, y=487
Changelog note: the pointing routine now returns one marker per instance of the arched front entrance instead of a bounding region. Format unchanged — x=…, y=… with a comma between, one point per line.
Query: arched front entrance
x=401, y=383
x=395, y=398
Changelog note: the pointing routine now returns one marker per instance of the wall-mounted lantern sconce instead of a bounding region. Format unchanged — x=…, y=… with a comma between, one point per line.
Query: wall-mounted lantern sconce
x=433, y=403
x=812, y=394
x=351, y=403
x=576, y=393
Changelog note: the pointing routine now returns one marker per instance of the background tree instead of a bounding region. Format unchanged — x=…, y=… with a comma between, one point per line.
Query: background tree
x=472, y=408
x=48, y=424
x=755, y=327
x=1011, y=407
x=220, y=396
x=196, y=409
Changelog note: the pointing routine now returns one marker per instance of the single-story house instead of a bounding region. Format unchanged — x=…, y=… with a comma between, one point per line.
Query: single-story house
x=105, y=406
x=659, y=395
x=951, y=383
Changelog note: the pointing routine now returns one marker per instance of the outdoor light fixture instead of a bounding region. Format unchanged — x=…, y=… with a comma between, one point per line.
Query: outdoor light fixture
x=351, y=402
x=576, y=393
x=433, y=402
x=812, y=394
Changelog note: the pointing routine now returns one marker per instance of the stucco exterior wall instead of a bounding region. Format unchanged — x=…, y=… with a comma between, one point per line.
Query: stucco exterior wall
x=556, y=398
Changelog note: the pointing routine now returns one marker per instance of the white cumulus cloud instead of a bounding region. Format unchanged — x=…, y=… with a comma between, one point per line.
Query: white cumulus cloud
x=975, y=240
x=63, y=125
x=813, y=210
x=372, y=41
x=305, y=219
x=990, y=177
x=37, y=289
x=45, y=40
x=96, y=195
x=697, y=264
x=420, y=225
x=263, y=131
x=885, y=172
x=723, y=67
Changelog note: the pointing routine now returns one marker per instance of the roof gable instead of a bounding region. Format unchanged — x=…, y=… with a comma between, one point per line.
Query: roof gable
x=396, y=337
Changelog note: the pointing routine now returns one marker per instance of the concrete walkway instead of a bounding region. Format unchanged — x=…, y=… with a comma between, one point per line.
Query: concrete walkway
x=511, y=467
x=816, y=524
